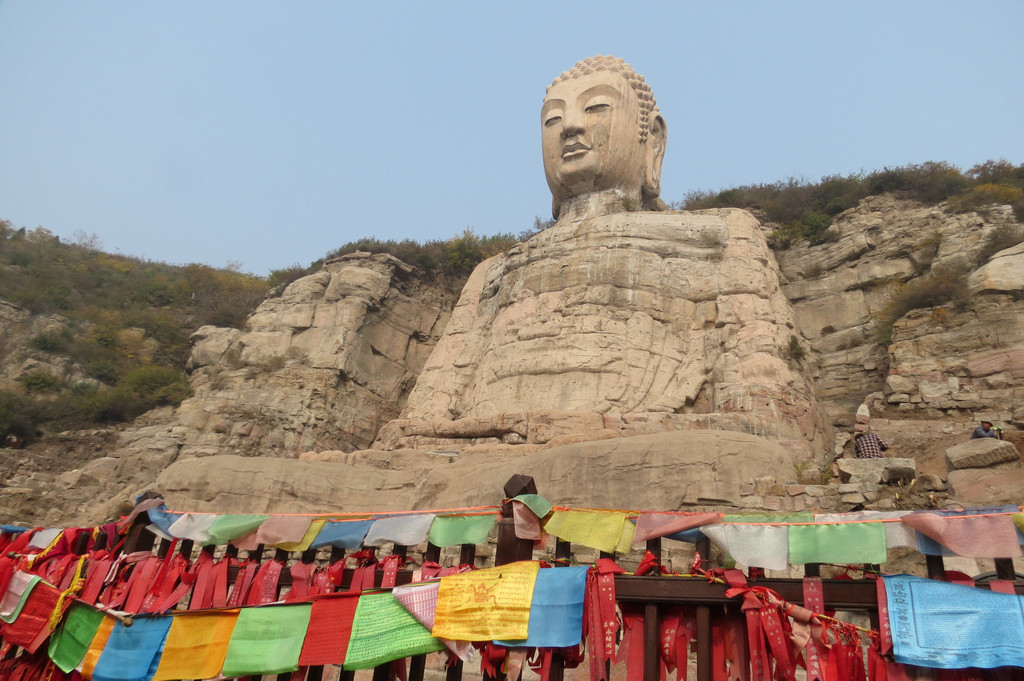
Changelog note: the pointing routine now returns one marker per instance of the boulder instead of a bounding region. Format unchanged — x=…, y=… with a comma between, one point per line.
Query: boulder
x=980, y=453
x=1004, y=272
x=883, y=470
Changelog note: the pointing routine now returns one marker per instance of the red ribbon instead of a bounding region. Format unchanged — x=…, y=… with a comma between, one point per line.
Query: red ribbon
x=600, y=622
x=243, y=583
x=264, y=584
x=302, y=577
x=815, y=602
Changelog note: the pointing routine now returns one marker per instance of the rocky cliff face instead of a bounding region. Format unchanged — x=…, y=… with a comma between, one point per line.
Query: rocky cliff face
x=18, y=358
x=611, y=331
x=950, y=360
x=322, y=366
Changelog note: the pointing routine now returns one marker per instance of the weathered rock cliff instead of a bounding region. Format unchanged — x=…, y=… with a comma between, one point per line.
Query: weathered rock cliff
x=322, y=366
x=629, y=325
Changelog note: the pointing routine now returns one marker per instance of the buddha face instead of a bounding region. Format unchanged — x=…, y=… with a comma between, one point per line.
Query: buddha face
x=590, y=136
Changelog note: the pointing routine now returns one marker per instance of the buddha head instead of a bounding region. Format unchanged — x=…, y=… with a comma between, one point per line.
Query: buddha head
x=603, y=136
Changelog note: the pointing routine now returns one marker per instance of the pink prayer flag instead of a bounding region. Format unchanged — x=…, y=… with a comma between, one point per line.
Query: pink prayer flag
x=972, y=536
x=279, y=529
x=654, y=525
x=527, y=523
x=421, y=601
x=247, y=543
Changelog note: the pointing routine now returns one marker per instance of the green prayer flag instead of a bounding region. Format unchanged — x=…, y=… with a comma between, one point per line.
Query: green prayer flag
x=536, y=503
x=455, y=530
x=837, y=543
x=267, y=640
x=72, y=638
x=383, y=630
x=1018, y=520
x=228, y=527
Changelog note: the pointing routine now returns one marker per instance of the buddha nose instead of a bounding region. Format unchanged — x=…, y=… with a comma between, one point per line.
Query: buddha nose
x=574, y=122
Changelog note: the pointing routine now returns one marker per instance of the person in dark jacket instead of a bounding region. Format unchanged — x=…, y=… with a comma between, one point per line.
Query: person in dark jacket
x=986, y=430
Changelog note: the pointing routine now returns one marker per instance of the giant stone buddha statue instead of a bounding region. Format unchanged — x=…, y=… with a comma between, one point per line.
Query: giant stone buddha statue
x=623, y=318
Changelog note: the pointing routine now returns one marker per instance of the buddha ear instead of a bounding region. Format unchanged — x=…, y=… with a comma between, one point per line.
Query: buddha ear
x=654, y=154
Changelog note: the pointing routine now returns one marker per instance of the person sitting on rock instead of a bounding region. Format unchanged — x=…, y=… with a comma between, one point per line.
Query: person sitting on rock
x=869, y=446
x=986, y=430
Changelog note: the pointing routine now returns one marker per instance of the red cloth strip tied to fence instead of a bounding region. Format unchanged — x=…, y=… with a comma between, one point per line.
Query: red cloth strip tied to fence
x=678, y=627
x=599, y=618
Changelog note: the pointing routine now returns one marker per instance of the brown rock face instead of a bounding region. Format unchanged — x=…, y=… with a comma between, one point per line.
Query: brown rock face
x=668, y=471
x=666, y=320
x=323, y=366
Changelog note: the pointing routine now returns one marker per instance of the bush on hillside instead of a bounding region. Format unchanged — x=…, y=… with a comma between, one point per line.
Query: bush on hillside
x=981, y=195
x=946, y=284
x=798, y=208
x=18, y=416
x=39, y=381
x=999, y=239
x=455, y=257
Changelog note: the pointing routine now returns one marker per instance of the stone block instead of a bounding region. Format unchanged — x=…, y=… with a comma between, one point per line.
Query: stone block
x=809, y=476
x=898, y=398
x=853, y=498
x=884, y=470
x=980, y=453
x=899, y=384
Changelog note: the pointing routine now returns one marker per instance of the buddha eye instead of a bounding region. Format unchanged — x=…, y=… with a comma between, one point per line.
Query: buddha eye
x=554, y=120
x=599, y=107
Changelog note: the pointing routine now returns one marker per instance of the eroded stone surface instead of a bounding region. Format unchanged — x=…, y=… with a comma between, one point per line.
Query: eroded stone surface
x=981, y=453
x=839, y=290
x=987, y=487
x=668, y=471
x=637, y=313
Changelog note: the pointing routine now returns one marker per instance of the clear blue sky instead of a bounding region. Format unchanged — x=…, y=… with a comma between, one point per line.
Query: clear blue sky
x=268, y=133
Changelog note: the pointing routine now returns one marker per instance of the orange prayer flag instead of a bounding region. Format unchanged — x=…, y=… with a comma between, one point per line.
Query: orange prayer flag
x=196, y=645
x=99, y=641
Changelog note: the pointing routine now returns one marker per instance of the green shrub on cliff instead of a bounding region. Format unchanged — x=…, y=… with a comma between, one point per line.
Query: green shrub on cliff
x=803, y=210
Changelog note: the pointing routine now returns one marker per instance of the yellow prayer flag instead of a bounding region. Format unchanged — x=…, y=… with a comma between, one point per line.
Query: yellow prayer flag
x=625, y=543
x=196, y=645
x=307, y=539
x=99, y=642
x=601, y=530
x=493, y=603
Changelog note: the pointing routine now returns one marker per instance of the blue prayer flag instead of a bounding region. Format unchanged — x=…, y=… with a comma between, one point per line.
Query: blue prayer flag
x=948, y=626
x=162, y=518
x=344, y=534
x=556, y=612
x=133, y=653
